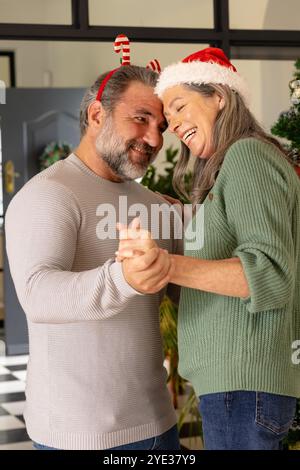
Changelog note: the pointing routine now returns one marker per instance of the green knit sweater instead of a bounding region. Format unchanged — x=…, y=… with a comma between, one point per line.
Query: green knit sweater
x=252, y=212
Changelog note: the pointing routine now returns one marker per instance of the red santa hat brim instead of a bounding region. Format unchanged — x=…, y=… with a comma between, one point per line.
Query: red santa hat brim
x=199, y=72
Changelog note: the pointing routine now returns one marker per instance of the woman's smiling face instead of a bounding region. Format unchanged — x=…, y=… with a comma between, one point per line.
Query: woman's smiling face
x=192, y=116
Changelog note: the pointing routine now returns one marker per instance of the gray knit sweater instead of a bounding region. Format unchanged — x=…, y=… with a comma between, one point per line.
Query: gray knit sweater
x=95, y=375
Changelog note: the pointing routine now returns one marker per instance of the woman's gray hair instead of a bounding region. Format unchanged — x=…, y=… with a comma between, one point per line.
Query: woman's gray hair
x=234, y=122
x=114, y=88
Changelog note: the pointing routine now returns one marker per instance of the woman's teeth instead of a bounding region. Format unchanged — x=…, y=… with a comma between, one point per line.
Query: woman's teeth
x=188, y=135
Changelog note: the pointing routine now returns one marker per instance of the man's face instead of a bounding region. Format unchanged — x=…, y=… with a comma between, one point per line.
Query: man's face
x=131, y=136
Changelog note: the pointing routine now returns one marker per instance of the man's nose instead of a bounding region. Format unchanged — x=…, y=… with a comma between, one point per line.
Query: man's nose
x=154, y=137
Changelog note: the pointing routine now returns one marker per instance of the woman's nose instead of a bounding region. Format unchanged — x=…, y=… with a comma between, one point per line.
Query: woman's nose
x=174, y=125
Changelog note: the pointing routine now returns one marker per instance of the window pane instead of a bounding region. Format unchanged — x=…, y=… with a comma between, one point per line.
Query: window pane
x=166, y=13
x=4, y=70
x=269, y=85
x=265, y=14
x=36, y=11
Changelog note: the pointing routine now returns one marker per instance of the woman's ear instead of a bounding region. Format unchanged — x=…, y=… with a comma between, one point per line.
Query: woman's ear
x=221, y=102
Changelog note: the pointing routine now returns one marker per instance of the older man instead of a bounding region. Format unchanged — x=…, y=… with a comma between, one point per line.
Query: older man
x=95, y=376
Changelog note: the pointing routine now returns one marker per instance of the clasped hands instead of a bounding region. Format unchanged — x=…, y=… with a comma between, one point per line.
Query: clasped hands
x=146, y=267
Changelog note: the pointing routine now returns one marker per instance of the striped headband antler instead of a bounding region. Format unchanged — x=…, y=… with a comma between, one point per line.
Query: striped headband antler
x=122, y=43
x=154, y=65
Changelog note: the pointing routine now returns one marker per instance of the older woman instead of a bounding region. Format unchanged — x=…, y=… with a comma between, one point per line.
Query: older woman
x=239, y=316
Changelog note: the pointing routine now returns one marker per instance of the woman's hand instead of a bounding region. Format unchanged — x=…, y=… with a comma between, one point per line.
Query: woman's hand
x=134, y=241
x=171, y=200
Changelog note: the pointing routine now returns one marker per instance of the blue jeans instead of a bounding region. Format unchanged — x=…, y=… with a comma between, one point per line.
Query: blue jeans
x=242, y=420
x=166, y=441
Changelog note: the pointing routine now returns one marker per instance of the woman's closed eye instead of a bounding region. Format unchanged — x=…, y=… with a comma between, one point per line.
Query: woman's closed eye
x=180, y=108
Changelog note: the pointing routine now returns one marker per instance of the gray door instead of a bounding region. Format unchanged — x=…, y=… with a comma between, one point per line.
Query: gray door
x=30, y=119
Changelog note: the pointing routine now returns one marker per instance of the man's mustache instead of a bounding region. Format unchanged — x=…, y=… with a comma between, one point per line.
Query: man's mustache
x=143, y=147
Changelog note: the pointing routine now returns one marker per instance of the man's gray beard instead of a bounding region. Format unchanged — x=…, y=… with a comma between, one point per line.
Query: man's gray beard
x=113, y=150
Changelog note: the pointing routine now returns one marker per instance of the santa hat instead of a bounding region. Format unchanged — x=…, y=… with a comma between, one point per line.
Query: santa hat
x=207, y=66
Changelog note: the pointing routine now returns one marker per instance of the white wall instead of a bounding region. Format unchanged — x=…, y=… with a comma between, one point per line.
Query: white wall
x=165, y=13
x=30, y=61
x=36, y=11
x=268, y=81
x=264, y=14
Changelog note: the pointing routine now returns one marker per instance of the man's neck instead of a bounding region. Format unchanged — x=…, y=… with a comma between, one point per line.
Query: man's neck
x=87, y=154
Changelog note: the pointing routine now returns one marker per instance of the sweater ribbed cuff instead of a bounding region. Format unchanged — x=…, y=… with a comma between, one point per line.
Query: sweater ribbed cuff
x=117, y=276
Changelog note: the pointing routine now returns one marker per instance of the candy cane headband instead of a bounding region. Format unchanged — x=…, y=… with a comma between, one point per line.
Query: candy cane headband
x=122, y=43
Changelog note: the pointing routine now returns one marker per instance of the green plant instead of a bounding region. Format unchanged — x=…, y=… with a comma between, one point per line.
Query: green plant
x=54, y=152
x=168, y=328
x=177, y=385
x=292, y=440
x=163, y=183
x=288, y=122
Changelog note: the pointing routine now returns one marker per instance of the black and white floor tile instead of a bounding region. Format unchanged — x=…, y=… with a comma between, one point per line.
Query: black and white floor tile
x=13, y=435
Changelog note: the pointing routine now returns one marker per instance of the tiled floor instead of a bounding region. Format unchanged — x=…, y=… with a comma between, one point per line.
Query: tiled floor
x=13, y=435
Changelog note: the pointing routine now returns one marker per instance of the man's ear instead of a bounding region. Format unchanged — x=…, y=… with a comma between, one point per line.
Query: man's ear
x=96, y=114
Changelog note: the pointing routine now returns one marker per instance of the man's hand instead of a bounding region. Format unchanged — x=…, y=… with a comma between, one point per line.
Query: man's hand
x=150, y=272
x=146, y=267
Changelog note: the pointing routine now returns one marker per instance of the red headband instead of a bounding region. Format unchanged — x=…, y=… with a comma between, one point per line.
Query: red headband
x=121, y=42
x=103, y=84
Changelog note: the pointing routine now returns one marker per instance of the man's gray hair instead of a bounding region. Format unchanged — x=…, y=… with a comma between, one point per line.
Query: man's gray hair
x=114, y=88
